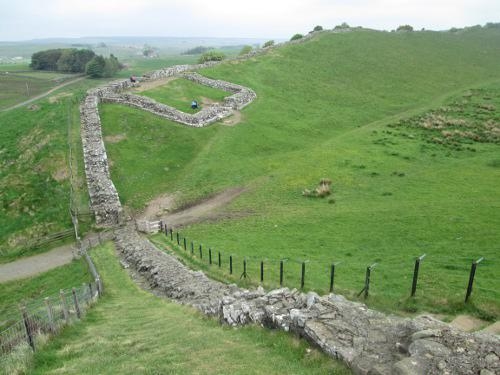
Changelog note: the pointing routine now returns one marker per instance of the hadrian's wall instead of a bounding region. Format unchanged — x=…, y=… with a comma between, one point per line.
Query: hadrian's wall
x=370, y=342
x=104, y=198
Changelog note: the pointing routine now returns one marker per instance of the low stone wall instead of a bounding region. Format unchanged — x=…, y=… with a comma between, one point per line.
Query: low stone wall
x=103, y=195
x=370, y=342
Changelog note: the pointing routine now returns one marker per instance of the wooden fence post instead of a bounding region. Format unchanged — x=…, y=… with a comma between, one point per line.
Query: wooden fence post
x=262, y=271
x=50, y=314
x=27, y=326
x=64, y=307
x=332, y=276
x=77, y=305
x=303, y=275
x=471, y=278
x=415, y=274
x=281, y=272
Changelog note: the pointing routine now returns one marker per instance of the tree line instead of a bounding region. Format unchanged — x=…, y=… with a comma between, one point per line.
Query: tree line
x=72, y=60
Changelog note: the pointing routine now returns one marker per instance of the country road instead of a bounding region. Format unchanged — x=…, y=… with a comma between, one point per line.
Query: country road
x=43, y=95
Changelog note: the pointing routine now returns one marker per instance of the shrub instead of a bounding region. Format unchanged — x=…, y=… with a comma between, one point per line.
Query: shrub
x=211, y=56
x=197, y=50
x=269, y=43
x=342, y=26
x=323, y=189
x=317, y=28
x=405, y=28
x=245, y=50
x=297, y=37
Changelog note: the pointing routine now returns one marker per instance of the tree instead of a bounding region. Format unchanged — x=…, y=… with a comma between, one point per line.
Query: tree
x=211, y=56
x=46, y=60
x=245, y=50
x=95, y=67
x=297, y=37
x=405, y=28
x=111, y=66
x=197, y=50
x=269, y=43
x=317, y=28
x=342, y=26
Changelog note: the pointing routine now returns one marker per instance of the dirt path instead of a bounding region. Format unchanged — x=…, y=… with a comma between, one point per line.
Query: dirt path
x=36, y=264
x=44, y=94
x=205, y=210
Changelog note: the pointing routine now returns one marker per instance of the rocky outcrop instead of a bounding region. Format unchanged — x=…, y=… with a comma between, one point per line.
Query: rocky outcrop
x=370, y=342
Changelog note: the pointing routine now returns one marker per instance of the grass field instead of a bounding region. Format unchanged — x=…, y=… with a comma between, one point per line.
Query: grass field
x=180, y=92
x=131, y=331
x=26, y=291
x=330, y=111
x=34, y=173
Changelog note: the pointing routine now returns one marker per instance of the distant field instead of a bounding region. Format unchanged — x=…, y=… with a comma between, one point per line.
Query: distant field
x=131, y=331
x=20, y=85
x=327, y=108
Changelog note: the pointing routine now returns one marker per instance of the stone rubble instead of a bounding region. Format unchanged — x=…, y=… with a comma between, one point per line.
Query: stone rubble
x=370, y=342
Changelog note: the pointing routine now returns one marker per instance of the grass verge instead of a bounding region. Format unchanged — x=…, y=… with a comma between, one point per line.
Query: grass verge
x=131, y=331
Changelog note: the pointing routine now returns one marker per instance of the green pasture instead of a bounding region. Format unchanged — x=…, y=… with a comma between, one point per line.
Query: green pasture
x=332, y=107
x=34, y=289
x=180, y=92
x=34, y=173
x=131, y=331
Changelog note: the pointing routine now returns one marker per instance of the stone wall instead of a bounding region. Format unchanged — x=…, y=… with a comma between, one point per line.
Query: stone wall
x=370, y=342
x=104, y=198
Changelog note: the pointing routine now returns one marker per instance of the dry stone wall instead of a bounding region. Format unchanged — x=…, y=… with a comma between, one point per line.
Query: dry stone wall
x=370, y=342
x=104, y=198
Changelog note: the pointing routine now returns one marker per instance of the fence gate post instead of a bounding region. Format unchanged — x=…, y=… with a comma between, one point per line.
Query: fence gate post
x=29, y=333
x=77, y=305
x=64, y=306
x=471, y=278
x=50, y=314
x=415, y=274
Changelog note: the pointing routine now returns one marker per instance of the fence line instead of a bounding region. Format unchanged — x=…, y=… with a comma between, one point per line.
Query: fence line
x=47, y=316
x=302, y=266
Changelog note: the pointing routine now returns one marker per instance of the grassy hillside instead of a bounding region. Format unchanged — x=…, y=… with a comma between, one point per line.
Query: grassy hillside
x=34, y=172
x=325, y=109
x=26, y=291
x=131, y=331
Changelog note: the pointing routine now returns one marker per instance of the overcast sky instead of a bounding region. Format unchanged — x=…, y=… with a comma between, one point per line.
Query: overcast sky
x=30, y=19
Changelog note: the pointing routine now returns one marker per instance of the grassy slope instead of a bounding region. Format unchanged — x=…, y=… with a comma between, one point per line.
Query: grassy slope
x=131, y=331
x=321, y=108
x=35, y=288
x=34, y=151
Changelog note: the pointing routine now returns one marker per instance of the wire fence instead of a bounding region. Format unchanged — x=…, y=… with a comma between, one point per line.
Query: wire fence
x=422, y=276
x=46, y=317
